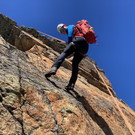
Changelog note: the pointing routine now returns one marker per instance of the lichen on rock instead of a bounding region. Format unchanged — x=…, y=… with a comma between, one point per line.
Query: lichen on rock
x=30, y=104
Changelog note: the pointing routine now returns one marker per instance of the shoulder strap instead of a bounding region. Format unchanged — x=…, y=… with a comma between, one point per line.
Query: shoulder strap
x=79, y=29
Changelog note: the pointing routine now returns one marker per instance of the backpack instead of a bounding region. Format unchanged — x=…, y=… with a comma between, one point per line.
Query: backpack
x=83, y=29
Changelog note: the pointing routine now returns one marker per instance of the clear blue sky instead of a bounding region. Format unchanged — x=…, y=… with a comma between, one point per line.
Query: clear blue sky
x=113, y=22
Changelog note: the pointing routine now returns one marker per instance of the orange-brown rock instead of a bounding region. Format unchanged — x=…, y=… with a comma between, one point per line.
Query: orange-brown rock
x=30, y=104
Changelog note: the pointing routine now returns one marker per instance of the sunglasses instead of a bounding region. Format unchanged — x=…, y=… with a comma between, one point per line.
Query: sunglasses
x=62, y=29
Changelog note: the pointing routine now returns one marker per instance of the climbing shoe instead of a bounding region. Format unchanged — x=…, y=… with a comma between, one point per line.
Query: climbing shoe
x=52, y=71
x=69, y=87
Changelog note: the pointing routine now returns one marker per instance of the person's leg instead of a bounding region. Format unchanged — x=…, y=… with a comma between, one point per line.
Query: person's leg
x=68, y=50
x=81, y=46
x=75, y=64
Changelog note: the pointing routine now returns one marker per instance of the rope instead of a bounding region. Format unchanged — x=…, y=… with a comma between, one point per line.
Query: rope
x=122, y=114
x=52, y=37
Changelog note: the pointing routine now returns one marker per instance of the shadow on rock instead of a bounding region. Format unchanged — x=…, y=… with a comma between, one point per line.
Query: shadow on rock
x=98, y=119
x=53, y=83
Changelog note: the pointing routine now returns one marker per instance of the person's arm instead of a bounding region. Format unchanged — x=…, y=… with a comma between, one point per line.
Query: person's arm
x=69, y=39
x=70, y=33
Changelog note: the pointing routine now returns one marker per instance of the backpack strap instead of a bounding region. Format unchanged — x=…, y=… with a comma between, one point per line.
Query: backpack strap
x=77, y=32
x=78, y=29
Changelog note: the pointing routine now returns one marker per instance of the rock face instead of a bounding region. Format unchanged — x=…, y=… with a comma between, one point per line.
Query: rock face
x=30, y=104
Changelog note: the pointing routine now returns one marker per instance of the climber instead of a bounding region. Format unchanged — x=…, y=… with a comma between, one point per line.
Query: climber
x=77, y=45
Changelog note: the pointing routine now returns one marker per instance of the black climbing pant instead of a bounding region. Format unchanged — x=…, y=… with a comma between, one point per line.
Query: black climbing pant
x=79, y=47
